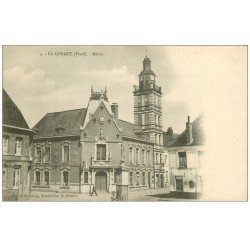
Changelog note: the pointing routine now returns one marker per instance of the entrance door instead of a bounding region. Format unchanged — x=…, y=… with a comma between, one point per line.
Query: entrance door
x=179, y=184
x=101, y=181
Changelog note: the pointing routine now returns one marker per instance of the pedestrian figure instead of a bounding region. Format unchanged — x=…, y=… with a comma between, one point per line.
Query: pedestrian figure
x=113, y=197
x=93, y=191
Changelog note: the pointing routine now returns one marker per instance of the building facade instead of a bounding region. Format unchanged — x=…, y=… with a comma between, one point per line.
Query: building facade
x=186, y=160
x=16, y=151
x=77, y=149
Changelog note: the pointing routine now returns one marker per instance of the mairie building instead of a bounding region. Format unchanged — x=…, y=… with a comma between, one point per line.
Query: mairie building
x=75, y=150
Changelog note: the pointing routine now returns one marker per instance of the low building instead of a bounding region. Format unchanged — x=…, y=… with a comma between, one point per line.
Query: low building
x=16, y=151
x=185, y=159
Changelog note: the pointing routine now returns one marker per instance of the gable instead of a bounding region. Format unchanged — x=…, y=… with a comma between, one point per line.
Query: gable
x=101, y=122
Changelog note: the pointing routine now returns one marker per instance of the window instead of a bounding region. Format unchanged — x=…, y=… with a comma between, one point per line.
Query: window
x=156, y=158
x=182, y=159
x=47, y=154
x=16, y=178
x=5, y=144
x=137, y=179
x=137, y=155
x=130, y=154
x=156, y=141
x=38, y=154
x=65, y=178
x=66, y=153
x=46, y=178
x=191, y=184
x=101, y=152
x=18, y=146
x=166, y=176
x=146, y=119
x=159, y=139
x=143, y=156
x=115, y=177
x=143, y=179
x=148, y=157
x=86, y=177
x=140, y=120
x=38, y=178
x=131, y=178
x=4, y=177
x=159, y=120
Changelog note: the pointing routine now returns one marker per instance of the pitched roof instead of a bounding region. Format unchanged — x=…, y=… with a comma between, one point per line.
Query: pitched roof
x=197, y=132
x=61, y=123
x=12, y=116
x=68, y=123
x=133, y=131
x=169, y=138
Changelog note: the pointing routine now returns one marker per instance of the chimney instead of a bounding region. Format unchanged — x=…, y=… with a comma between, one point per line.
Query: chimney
x=170, y=131
x=114, y=108
x=189, y=131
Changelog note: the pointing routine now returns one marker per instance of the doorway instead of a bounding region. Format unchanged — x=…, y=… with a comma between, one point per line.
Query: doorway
x=101, y=181
x=179, y=184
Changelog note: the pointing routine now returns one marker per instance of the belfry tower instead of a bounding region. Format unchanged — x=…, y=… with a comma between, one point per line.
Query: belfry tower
x=148, y=108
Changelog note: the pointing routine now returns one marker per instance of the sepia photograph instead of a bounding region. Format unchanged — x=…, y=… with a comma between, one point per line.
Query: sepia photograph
x=107, y=123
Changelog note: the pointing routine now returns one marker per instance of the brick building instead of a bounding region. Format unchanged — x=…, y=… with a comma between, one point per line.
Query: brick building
x=16, y=151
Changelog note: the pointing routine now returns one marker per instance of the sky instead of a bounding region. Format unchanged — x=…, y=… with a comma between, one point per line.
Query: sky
x=40, y=83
